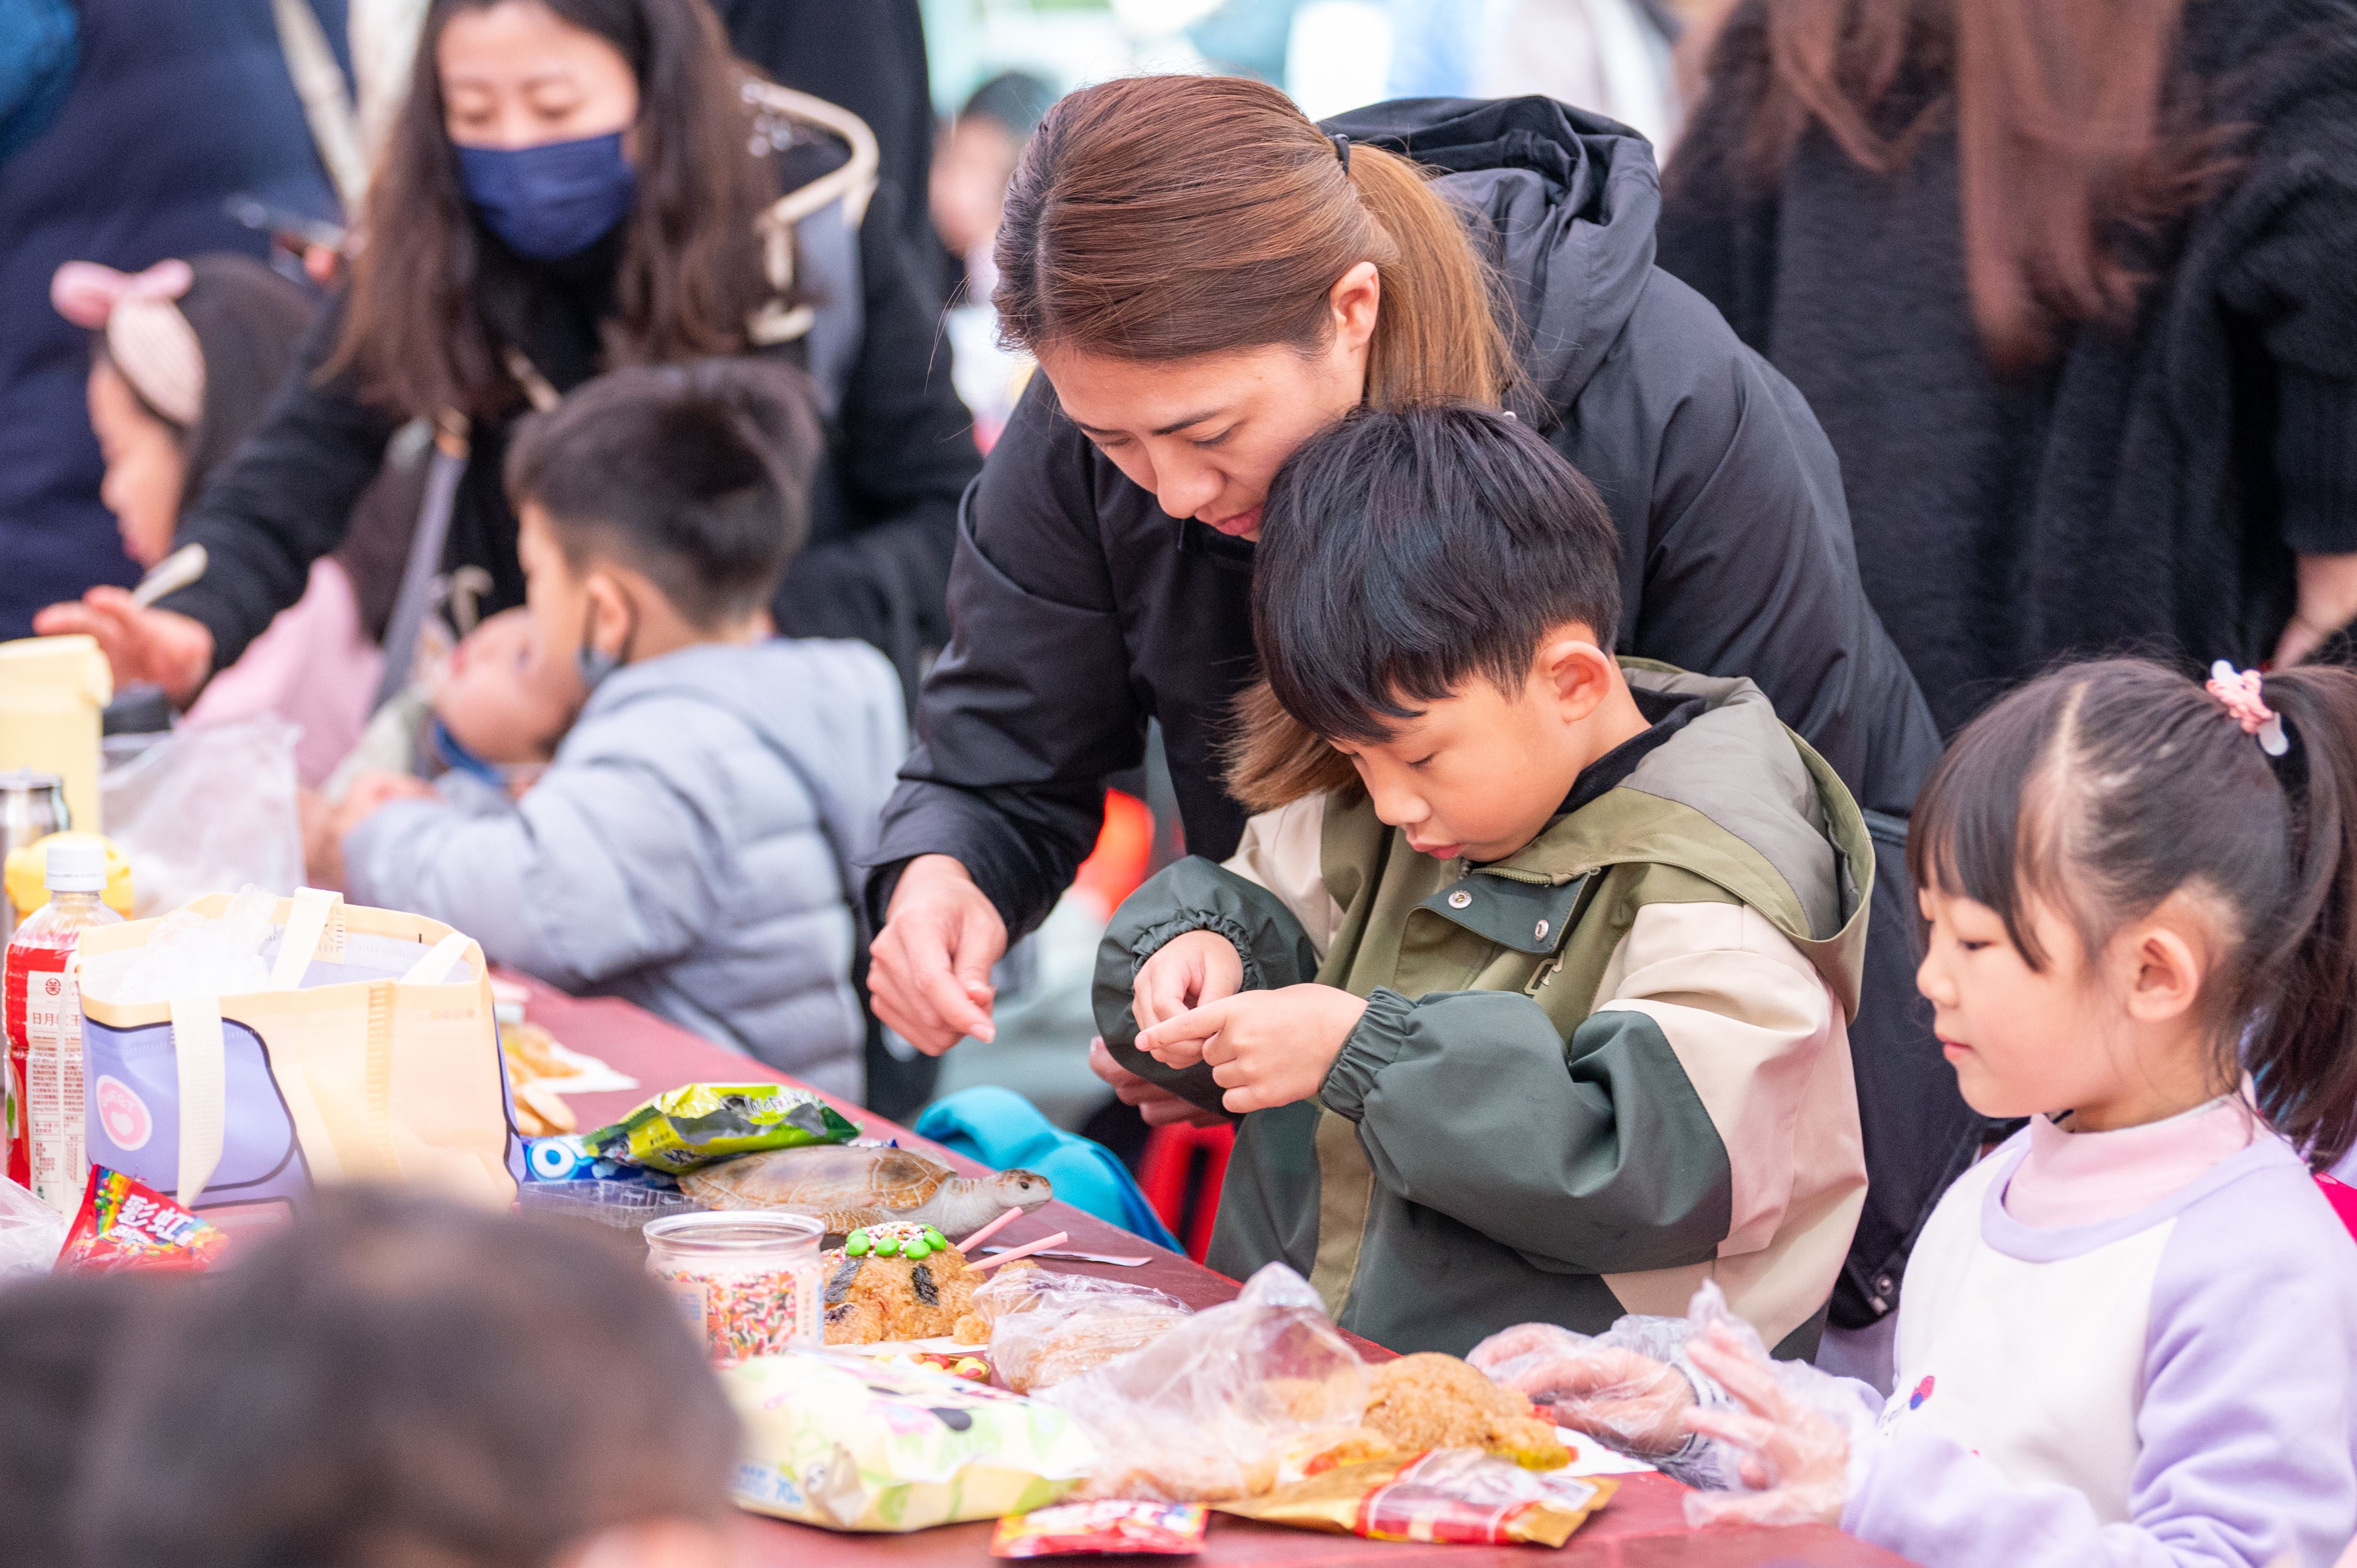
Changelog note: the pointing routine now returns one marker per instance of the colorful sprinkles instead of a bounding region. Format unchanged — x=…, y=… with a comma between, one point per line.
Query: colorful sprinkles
x=744, y=1313
x=898, y=1239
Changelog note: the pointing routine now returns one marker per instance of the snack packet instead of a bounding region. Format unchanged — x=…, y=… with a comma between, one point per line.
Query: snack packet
x=125, y=1224
x=852, y=1443
x=700, y=1122
x=1071, y=1530
x=1453, y=1495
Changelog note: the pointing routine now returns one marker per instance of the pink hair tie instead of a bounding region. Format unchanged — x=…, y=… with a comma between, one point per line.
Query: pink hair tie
x=2238, y=691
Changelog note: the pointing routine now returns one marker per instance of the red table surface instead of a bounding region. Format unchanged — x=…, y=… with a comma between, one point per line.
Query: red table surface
x=1643, y=1527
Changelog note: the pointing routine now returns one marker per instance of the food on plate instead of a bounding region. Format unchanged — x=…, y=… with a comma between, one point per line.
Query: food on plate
x=532, y=1060
x=1454, y=1496
x=849, y=1188
x=897, y=1281
x=1043, y=1328
x=1429, y=1401
x=700, y=1124
x=850, y=1442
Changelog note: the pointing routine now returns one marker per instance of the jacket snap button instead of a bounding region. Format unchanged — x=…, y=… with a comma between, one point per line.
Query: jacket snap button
x=1540, y=934
x=1459, y=900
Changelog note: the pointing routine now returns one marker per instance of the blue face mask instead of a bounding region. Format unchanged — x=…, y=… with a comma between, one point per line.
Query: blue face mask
x=552, y=200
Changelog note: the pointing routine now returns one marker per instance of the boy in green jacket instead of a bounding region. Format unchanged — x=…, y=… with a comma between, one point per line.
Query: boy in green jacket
x=1531, y=981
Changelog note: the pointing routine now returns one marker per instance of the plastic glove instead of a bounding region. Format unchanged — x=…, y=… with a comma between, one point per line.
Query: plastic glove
x=1790, y=1459
x=1620, y=1396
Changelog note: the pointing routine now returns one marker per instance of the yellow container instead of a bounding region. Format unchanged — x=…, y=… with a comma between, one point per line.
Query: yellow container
x=53, y=692
x=28, y=879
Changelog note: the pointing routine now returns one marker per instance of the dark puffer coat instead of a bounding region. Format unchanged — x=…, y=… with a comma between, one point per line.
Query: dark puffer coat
x=1079, y=608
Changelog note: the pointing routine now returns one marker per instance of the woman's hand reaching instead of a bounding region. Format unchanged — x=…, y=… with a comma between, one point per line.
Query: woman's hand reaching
x=161, y=646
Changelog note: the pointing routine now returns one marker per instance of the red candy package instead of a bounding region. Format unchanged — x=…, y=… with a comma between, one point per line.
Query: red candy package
x=1070, y=1529
x=124, y=1224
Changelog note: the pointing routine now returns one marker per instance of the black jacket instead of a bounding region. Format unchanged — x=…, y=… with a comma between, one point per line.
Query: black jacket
x=901, y=449
x=1079, y=609
x=2144, y=490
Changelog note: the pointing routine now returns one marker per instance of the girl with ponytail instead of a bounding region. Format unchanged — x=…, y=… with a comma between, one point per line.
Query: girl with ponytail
x=2129, y=1335
x=1208, y=278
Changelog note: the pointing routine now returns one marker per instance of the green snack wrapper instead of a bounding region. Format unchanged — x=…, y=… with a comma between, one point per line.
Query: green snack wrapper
x=698, y=1123
x=851, y=1443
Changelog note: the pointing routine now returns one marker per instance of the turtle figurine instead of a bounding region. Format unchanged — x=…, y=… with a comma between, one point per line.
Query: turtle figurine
x=847, y=1188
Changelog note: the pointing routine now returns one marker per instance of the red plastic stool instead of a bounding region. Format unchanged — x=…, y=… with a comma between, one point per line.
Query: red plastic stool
x=1184, y=1188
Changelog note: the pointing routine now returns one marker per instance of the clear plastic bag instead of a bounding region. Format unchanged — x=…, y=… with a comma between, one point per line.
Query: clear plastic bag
x=209, y=809
x=1216, y=1406
x=1047, y=1328
x=31, y=1233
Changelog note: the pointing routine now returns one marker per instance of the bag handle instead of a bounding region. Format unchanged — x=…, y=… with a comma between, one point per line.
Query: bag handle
x=306, y=929
x=203, y=1065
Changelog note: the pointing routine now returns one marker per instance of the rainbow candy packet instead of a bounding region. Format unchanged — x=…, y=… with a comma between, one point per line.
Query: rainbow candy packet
x=125, y=1224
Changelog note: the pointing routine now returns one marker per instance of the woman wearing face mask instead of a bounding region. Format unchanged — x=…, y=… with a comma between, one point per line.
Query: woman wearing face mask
x=573, y=185
x=1208, y=278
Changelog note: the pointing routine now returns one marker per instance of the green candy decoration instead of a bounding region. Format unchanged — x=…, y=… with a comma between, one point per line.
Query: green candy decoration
x=916, y=1250
x=934, y=1239
x=886, y=1246
x=856, y=1244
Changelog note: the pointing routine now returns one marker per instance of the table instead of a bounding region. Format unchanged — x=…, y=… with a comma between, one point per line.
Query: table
x=1642, y=1528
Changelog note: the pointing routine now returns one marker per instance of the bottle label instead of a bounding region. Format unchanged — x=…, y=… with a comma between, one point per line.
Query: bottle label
x=44, y=1023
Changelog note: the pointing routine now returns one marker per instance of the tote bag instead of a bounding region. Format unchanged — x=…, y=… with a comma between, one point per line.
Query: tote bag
x=372, y=1055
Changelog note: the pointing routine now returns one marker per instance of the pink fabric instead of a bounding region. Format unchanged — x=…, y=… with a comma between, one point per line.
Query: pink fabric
x=2084, y=1178
x=313, y=666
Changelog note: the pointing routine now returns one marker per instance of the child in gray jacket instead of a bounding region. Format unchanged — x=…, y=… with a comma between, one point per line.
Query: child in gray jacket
x=691, y=846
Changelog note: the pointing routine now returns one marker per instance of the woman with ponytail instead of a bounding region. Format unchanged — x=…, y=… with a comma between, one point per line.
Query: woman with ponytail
x=1208, y=278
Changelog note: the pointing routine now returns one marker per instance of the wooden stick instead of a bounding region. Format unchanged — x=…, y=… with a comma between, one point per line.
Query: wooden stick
x=1025, y=1250
x=987, y=1231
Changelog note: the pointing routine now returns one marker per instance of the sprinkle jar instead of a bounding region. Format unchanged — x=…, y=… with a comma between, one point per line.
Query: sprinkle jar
x=748, y=1281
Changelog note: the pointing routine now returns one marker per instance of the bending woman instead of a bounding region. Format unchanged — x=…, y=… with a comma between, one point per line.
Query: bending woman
x=573, y=185
x=1208, y=278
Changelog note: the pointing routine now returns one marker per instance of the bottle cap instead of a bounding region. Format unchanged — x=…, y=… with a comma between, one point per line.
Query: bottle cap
x=78, y=865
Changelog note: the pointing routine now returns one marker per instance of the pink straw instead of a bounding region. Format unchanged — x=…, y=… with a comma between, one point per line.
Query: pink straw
x=987, y=1231
x=1025, y=1250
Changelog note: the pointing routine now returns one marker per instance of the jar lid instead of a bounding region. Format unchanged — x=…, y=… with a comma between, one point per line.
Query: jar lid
x=734, y=1230
x=76, y=864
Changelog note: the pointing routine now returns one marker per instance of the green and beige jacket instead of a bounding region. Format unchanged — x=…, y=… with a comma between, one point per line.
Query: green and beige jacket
x=1589, y=1076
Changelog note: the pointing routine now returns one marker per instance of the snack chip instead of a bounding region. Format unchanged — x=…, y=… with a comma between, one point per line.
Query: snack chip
x=692, y=1127
x=853, y=1443
x=1452, y=1496
x=1068, y=1530
x=125, y=1224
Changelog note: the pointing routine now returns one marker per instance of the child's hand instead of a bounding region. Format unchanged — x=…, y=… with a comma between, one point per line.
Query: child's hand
x=369, y=794
x=1633, y=1401
x=1192, y=971
x=1266, y=1047
x=1794, y=1459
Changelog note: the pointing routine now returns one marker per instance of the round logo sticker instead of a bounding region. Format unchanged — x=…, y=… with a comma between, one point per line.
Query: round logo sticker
x=123, y=1113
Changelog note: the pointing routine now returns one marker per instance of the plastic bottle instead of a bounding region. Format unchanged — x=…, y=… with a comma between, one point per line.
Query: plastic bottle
x=46, y=1141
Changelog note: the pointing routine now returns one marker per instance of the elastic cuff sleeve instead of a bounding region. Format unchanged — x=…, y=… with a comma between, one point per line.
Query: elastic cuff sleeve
x=1153, y=939
x=1373, y=1045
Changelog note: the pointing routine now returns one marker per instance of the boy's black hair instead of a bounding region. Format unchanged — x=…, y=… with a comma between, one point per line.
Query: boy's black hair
x=395, y=1379
x=696, y=475
x=1405, y=552
x=60, y=1334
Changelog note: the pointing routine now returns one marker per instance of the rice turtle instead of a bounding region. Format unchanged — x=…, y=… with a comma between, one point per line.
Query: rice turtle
x=847, y=1187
